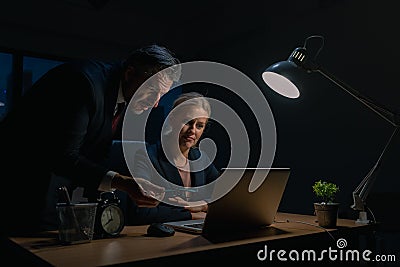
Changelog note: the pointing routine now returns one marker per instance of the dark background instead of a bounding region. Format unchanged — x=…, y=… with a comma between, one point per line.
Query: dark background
x=325, y=134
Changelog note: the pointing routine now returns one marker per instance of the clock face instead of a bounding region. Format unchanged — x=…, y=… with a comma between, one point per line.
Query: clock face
x=112, y=220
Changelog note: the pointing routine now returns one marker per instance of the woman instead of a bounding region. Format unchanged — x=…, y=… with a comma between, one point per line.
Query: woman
x=173, y=161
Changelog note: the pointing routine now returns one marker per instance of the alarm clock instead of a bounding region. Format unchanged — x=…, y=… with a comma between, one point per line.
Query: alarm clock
x=110, y=219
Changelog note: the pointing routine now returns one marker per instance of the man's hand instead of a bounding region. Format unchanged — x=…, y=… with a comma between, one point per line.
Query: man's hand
x=143, y=192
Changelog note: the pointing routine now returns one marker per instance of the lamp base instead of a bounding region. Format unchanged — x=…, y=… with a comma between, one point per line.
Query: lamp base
x=362, y=218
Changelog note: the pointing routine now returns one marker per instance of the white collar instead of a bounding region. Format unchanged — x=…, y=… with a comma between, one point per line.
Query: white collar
x=120, y=98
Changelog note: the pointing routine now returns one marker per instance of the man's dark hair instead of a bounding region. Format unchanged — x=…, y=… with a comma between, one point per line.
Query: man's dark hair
x=154, y=58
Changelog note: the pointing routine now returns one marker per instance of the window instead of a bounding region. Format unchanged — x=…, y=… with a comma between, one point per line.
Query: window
x=34, y=68
x=5, y=81
x=22, y=70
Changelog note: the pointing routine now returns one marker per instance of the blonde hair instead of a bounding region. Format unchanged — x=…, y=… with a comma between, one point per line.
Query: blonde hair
x=191, y=99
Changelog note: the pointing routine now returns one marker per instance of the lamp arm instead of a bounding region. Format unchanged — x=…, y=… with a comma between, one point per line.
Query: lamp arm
x=383, y=112
x=361, y=192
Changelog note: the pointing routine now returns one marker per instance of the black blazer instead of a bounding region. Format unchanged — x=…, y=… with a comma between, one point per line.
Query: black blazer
x=165, y=212
x=61, y=126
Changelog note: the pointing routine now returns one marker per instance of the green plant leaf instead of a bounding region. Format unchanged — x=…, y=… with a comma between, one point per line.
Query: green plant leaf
x=325, y=191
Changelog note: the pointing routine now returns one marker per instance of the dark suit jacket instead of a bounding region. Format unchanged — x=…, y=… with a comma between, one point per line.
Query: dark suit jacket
x=164, y=212
x=61, y=126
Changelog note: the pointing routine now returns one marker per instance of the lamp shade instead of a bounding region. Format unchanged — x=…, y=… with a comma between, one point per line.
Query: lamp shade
x=284, y=77
x=280, y=78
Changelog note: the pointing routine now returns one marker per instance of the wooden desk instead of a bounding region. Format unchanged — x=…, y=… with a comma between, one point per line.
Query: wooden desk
x=135, y=246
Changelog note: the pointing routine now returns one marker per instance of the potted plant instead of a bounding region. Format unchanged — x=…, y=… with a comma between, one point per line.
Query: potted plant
x=327, y=209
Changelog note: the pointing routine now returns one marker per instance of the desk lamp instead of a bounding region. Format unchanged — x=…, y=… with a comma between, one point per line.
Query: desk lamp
x=283, y=78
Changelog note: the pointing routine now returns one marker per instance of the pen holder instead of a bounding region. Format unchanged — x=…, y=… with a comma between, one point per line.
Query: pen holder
x=76, y=222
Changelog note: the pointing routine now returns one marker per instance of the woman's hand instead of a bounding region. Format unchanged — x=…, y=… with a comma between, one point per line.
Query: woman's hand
x=198, y=215
x=192, y=206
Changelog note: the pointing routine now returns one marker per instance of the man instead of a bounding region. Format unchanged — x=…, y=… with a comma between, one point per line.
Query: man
x=63, y=127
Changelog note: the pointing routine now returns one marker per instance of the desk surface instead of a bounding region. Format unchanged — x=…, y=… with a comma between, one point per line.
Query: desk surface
x=134, y=246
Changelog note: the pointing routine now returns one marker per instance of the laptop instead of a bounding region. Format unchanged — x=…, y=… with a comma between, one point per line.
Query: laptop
x=240, y=209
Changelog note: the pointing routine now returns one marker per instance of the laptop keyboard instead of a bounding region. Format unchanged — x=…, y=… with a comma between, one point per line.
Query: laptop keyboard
x=195, y=225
